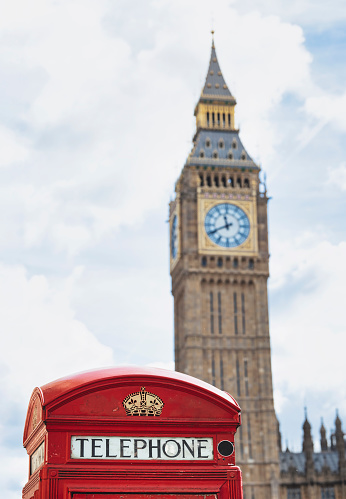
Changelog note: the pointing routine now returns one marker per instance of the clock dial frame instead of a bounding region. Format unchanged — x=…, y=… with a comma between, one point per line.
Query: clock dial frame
x=206, y=244
x=227, y=225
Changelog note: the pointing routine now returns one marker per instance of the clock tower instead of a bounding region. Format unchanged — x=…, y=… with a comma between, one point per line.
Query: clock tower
x=219, y=267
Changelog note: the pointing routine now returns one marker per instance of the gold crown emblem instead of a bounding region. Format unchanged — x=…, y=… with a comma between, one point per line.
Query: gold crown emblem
x=143, y=404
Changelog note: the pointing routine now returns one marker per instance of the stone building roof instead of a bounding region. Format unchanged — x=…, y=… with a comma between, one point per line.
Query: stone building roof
x=295, y=461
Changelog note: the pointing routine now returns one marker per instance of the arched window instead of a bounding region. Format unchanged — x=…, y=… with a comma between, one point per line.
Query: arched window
x=204, y=261
x=221, y=144
x=251, y=264
x=246, y=183
x=207, y=143
x=235, y=263
x=215, y=155
x=234, y=144
x=201, y=153
x=219, y=262
x=230, y=155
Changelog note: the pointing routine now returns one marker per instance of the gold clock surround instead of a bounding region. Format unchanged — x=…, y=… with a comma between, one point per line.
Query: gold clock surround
x=206, y=246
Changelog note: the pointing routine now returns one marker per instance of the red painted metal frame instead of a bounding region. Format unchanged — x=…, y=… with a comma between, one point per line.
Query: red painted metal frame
x=90, y=403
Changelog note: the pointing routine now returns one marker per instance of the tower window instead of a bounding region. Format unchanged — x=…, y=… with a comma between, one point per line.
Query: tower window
x=230, y=181
x=240, y=431
x=219, y=262
x=327, y=493
x=201, y=180
x=229, y=119
x=211, y=299
x=234, y=144
x=213, y=117
x=219, y=311
x=251, y=264
x=221, y=144
x=204, y=261
x=238, y=376
x=218, y=114
x=223, y=120
x=246, y=380
x=221, y=372
x=243, y=155
x=238, y=182
x=223, y=181
x=246, y=183
x=207, y=142
x=293, y=493
x=249, y=437
x=230, y=155
x=213, y=368
x=201, y=154
x=216, y=181
x=215, y=154
x=235, y=263
x=208, y=119
x=235, y=314
x=208, y=181
x=243, y=311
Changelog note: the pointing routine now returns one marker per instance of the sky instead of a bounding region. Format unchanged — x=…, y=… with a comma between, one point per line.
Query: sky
x=96, y=122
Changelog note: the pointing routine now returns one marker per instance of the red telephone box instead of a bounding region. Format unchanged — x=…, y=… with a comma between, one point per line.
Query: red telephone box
x=131, y=433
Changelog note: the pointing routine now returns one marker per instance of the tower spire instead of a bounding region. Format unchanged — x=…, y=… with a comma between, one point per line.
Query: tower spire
x=323, y=440
x=308, y=446
x=215, y=85
x=215, y=108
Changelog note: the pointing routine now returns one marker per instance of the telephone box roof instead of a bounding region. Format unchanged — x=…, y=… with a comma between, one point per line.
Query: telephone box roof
x=60, y=388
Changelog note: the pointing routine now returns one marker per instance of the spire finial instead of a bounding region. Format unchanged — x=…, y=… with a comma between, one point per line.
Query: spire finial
x=212, y=38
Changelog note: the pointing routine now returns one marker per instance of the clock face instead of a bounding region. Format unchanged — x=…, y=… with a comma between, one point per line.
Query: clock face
x=174, y=237
x=227, y=225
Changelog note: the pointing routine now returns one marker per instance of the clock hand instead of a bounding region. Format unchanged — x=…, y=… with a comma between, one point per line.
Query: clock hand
x=227, y=224
x=219, y=228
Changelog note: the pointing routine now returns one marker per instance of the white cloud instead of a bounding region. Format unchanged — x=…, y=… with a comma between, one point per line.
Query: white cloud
x=314, y=13
x=43, y=340
x=328, y=108
x=12, y=148
x=308, y=324
x=337, y=176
